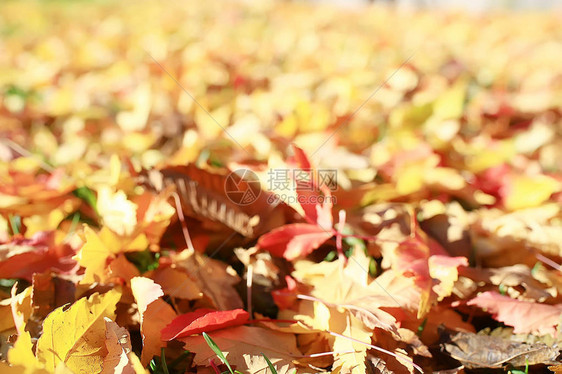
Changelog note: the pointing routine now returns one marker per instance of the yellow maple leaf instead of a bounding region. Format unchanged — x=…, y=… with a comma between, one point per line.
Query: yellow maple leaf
x=22, y=354
x=50, y=220
x=76, y=336
x=353, y=361
x=21, y=307
x=94, y=253
x=98, y=247
x=528, y=192
x=334, y=308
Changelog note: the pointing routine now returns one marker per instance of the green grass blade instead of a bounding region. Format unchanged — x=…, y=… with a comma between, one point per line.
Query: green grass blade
x=217, y=351
x=271, y=367
x=163, y=359
x=15, y=224
x=88, y=196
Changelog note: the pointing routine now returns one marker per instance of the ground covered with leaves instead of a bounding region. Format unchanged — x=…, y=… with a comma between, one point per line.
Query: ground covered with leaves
x=396, y=205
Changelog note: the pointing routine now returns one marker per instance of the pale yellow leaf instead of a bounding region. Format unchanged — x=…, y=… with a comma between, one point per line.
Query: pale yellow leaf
x=155, y=314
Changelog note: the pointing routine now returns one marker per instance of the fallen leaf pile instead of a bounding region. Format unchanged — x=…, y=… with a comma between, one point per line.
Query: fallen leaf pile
x=284, y=187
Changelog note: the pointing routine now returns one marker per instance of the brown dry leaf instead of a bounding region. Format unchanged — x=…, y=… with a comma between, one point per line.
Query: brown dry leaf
x=119, y=359
x=314, y=343
x=6, y=317
x=48, y=292
x=154, y=215
x=176, y=283
x=213, y=278
x=513, y=278
x=376, y=365
x=203, y=196
x=438, y=317
x=468, y=349
x=448, y=225
x=121, y=269
x=243, y=347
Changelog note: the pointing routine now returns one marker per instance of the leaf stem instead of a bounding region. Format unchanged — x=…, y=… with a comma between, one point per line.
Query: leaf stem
x=214, y=366
x=249, y=280
x=341, y=224
x=181, y=217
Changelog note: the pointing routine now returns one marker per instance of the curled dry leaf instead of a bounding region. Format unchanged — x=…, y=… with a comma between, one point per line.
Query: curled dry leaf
x=214, y=278
x=484, y=351
x=203, y=196
x=176, y=283
x=513, y=278
x=119, y=359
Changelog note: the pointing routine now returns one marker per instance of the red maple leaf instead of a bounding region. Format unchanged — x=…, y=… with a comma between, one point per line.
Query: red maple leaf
x=294, y=240
x=203, y=320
